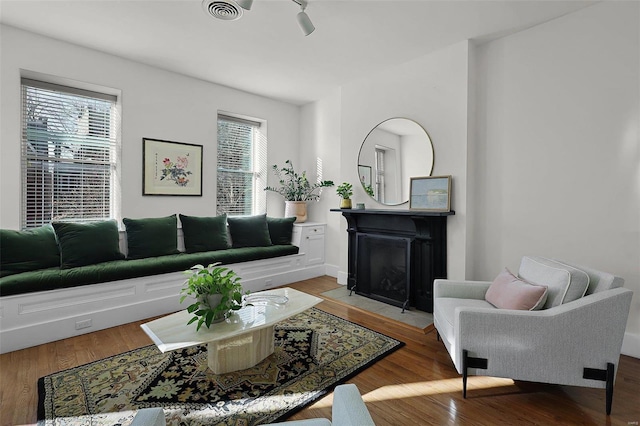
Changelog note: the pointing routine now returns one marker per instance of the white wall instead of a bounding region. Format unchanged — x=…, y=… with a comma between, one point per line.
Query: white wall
x=431, y=90
x=155, y=103
x=319, y=135
x=557, y=165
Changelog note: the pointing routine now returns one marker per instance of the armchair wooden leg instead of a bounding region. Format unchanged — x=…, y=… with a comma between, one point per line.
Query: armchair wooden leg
x=465, y=356
x=610, y=376
x=470, y=362
x=606, y=376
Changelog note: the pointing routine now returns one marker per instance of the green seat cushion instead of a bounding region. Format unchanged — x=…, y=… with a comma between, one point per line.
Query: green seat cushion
x=23, y=251
x=249, y=231
x=151, y=236
x=247, y=254
x=204, y=233
x=133, y=268
x=118, y=270
x=53, y=278
x=237, y=255
x=27, y=282
x=87, y=243
x=280, y=229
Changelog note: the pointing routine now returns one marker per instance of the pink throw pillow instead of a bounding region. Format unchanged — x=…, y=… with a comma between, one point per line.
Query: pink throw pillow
x=510, y=292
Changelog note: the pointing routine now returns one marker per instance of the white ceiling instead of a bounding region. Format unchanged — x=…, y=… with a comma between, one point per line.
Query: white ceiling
x=265, y=52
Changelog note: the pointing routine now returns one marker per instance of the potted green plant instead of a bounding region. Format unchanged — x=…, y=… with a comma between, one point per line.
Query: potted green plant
x=296, y=190
x=345, y=191
x=217, y=291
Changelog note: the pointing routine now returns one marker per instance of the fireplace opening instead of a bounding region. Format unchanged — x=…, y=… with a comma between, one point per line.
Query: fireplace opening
x=383, y=271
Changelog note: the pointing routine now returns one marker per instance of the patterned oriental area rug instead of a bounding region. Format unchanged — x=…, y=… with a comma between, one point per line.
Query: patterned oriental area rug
x=315, y=351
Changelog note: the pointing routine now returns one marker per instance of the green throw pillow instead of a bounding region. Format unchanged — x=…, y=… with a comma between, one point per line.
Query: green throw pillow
x=249, y=231
x=204, y=233
x=151, y=237
x=87, y=243
x=280, y=229
x=30, y=250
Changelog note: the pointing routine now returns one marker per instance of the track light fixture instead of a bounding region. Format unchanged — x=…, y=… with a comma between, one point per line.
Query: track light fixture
x=245, y=4
x=303, y=19
x=231, y=10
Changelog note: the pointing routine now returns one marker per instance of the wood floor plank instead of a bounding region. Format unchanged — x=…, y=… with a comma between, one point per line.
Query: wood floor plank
x=415, y=385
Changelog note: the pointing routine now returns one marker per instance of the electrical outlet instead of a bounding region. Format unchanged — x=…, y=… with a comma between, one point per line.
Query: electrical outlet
x=267, y=283
x=83, y=324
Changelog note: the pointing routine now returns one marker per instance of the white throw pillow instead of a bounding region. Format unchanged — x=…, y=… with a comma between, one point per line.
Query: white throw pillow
x=565, y=283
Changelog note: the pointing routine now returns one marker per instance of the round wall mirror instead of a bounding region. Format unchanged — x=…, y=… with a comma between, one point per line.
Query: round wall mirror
x=393, y=152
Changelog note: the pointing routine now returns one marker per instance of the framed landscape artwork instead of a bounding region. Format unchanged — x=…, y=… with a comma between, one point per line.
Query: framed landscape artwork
x=171, y=168
x=431, y=193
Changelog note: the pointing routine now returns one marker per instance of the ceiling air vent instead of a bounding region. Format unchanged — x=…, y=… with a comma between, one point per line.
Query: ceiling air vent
x=227, y=10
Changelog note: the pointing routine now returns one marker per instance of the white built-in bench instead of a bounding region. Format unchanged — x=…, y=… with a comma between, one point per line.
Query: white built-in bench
x=35, y=318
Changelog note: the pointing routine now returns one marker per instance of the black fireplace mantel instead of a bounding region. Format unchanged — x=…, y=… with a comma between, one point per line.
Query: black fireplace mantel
x=394, y=212
x=426, y=233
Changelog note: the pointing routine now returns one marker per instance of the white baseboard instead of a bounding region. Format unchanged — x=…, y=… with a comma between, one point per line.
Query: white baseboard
x=343, y=278
x=331, y=270
x=631, y=345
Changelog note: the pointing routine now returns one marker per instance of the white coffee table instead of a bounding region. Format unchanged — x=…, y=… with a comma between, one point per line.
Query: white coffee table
x=242, y=341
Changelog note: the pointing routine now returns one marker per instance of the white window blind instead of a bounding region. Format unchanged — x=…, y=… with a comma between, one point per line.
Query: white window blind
x=69, y=149
x=380, y=195
x=241, y=166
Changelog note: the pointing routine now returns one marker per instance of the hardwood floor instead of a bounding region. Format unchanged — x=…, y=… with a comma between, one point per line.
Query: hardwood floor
x=414, y=385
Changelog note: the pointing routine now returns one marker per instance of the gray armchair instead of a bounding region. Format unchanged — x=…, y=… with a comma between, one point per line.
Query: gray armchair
x=574, y=340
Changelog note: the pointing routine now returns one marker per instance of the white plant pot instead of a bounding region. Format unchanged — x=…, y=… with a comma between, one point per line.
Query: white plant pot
x=214, y=300
x=297, y=209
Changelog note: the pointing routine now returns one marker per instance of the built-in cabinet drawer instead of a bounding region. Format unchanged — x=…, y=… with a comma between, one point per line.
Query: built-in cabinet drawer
x=310, y=238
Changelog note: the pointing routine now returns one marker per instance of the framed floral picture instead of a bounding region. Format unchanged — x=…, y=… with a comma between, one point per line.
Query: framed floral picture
x=171, y=168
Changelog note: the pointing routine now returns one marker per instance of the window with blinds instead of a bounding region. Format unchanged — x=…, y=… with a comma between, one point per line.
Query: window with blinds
x=380, y=195
x=241, y=170
x=69, y=154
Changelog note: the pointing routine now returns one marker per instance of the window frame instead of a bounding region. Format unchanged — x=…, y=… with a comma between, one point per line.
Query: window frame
x=107, y=146
x=258, y=161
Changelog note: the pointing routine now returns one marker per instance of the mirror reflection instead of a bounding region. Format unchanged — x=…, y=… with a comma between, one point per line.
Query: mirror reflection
x=393, y=152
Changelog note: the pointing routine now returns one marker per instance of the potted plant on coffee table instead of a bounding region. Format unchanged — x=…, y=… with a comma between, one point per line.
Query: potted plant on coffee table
x=296, y=190
x=345, y=191
x=217, y=291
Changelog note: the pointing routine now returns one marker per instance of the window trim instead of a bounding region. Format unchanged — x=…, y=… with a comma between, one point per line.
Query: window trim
x=76, y=88
x=259, y=154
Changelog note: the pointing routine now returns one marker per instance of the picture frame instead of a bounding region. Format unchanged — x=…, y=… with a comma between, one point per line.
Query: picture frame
x=171, y=168
x=430, y=193
x=365, y=174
